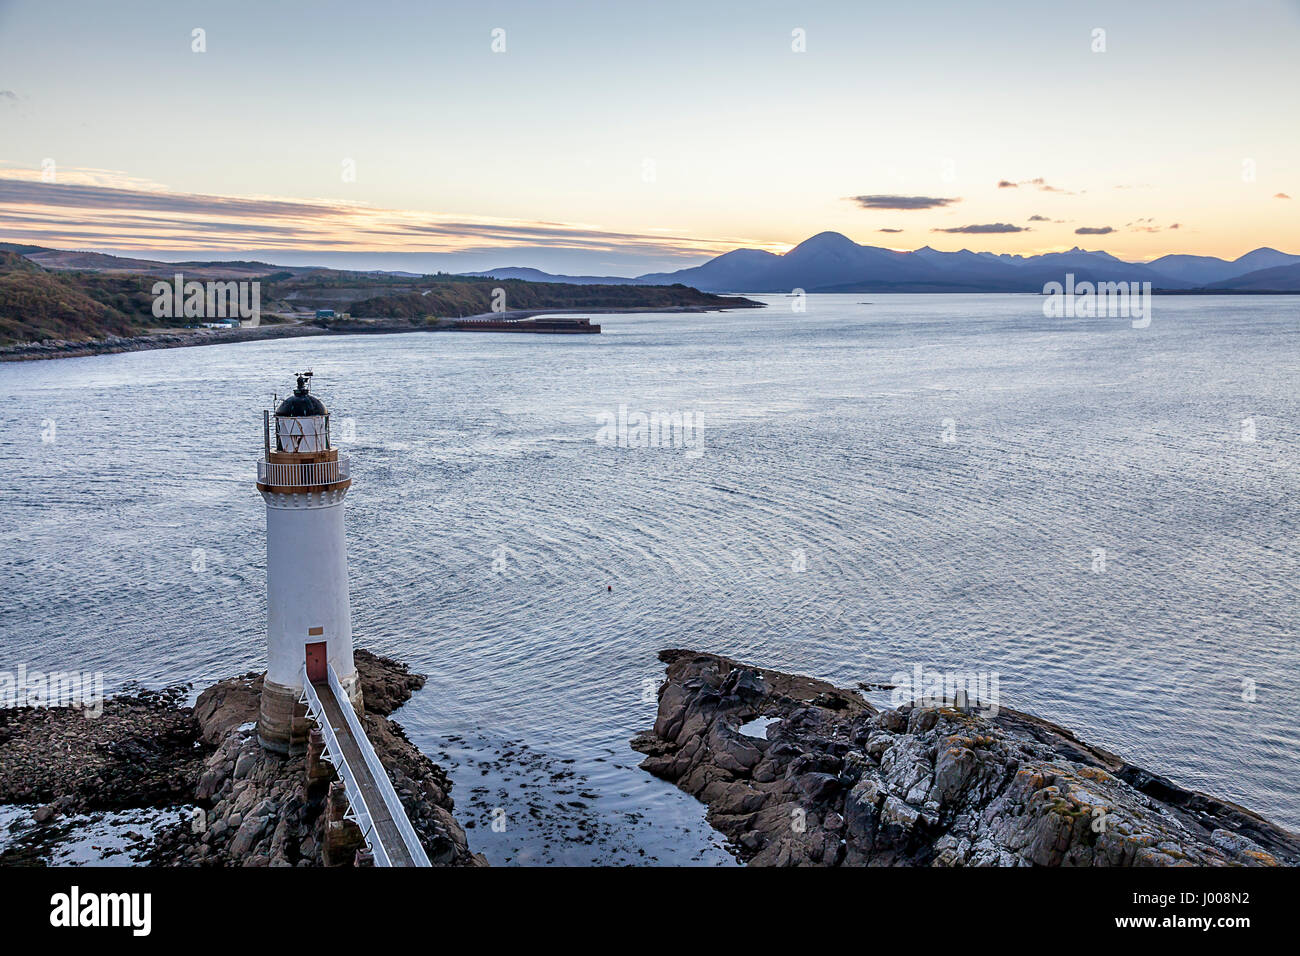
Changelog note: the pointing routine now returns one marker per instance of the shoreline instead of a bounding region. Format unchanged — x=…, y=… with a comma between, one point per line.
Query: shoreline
x=194, y=338
x=200, y=781
x=792, y=771
x=797, y=772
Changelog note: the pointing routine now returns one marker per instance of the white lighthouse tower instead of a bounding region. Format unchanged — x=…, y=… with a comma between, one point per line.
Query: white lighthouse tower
x=309, y=616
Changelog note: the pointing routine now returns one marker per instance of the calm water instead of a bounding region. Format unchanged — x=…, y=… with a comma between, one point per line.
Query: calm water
x=486, y=524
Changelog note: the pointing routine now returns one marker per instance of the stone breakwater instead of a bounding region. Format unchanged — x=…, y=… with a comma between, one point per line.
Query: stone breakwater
x=252, y=808
x=832, y=781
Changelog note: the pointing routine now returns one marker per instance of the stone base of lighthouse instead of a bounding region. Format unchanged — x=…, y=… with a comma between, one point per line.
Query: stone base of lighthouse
x=282, y=721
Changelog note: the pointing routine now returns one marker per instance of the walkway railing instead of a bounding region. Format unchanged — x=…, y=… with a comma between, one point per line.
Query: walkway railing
x=386, y=791
x=359, y=808
x=304, y=474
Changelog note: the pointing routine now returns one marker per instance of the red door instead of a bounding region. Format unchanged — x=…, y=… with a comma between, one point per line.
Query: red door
x=316, y=659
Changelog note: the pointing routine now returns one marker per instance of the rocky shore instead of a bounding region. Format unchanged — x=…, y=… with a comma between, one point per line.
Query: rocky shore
x=242, y=805
x=60, y=348
x=141, y=752
x=831, y=781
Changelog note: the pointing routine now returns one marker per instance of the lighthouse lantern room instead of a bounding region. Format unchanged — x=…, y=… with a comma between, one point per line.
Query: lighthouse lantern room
x=309, y=620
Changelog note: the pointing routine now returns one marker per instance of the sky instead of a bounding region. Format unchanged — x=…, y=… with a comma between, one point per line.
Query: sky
x=616, y=138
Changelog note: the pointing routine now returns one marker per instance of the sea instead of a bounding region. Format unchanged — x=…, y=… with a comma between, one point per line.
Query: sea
x=1099, y=520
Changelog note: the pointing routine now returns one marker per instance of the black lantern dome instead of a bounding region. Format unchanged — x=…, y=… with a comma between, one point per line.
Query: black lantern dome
x=301, y=404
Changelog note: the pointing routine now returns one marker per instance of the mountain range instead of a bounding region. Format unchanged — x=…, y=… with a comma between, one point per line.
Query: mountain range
x=832, y=262
x=827, y=262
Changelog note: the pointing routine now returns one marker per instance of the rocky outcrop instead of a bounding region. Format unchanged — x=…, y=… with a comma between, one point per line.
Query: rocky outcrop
x=140, y=752
x=250, y=807
x=386, y=685
x=831, y=781
x=260, y=809
x=226, y=705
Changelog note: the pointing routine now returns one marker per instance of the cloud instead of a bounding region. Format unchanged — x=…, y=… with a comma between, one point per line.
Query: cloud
x=84, y=215
x=13, y=191
x=1094, y=231
x=1281, y=196
x=1037, y=181
x=984, y=229
x=889, y=230
x=902, y=202
x=1039, y=219
x=1147, y=224
x=8, y=94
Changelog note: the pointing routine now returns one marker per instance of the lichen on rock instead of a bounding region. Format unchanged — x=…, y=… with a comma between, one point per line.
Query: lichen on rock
x=837, y=782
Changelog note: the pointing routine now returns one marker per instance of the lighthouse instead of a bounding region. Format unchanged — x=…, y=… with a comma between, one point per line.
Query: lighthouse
x=308, y=614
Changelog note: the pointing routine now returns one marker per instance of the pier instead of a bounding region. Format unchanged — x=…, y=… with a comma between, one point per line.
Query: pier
x=560, y=326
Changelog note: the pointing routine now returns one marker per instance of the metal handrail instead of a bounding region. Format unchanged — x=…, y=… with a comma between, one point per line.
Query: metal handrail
x=386, y=791
x=304, y=474
x=356, y=800
x=334, y=753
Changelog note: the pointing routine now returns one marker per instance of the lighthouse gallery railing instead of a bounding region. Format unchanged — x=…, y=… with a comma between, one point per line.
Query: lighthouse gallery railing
x=357, y=801
x=304, y=474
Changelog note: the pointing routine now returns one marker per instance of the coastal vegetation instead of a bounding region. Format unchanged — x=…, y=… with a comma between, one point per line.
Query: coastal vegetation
x=36, y=305
x=39, y=304
x=460, y=297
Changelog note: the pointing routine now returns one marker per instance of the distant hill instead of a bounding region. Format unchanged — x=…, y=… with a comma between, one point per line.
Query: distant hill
x=1265, y=258
x=537, y=275
x=1277, y=279
x=1207, y=270
x=831, y=262
x=52, y=293
x=477, y=296
x=13, y=261
x=826, y=262
x=739, y=269
x=105, y=298
x=81, y=261
x=37, y=305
